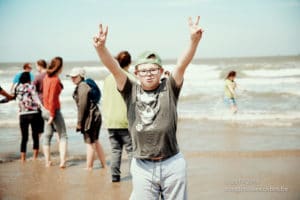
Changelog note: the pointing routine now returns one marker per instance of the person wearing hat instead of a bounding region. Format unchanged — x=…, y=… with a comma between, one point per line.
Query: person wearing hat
x=88, y=111
x=158, y=168
x=52, y=88
x=26, y=68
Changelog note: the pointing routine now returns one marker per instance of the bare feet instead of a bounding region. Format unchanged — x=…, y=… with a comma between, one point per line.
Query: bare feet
x=88, y=168
x=35, y=154
x=23, y=157
x=62, y=165
x=104, y=166
x=48, y=164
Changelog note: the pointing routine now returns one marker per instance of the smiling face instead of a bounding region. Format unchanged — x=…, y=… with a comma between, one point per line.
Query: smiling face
x=149, y=75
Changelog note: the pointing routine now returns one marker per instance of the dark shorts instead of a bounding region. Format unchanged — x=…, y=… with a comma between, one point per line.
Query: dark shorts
x=93, y=134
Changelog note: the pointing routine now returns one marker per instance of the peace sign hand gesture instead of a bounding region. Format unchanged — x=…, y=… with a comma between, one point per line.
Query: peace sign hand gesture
x=195, y=30
x=100, y=38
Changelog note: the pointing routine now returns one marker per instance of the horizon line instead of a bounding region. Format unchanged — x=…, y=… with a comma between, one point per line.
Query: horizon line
x=171, y=59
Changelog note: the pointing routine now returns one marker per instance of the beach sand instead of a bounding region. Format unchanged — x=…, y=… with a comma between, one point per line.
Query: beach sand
x=225, y=161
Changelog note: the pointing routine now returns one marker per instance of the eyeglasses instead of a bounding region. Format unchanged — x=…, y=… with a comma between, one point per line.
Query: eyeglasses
x=144, y=72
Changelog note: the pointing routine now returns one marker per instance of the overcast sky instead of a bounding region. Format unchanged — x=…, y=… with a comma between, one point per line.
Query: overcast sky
x=30, y=30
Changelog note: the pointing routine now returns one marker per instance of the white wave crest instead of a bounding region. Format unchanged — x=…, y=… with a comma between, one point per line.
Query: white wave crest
x=273, y=73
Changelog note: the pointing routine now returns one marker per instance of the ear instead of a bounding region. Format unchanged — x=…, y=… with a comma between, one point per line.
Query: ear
x=161, y=70
x=136, y=72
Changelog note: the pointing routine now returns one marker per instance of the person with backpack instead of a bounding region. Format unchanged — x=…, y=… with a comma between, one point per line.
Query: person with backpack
x=28, y=102
x=87, y=95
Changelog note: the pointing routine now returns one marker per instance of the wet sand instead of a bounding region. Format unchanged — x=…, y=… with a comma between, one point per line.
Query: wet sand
x=225, y=161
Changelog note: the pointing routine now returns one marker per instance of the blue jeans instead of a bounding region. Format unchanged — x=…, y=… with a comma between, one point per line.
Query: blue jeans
x=230, y=101
x=166, y=179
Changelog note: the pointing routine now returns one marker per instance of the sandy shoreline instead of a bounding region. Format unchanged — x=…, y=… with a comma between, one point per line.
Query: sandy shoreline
x=224, y=162
x=209, y=178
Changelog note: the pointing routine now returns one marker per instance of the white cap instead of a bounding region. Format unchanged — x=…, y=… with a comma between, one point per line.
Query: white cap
x=77, y=71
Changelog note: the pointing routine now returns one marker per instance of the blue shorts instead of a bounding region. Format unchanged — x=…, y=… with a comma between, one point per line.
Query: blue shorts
x=230, y=101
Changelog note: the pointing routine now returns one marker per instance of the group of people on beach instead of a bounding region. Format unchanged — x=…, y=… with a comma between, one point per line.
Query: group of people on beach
x=39, y=107
x=140, y=112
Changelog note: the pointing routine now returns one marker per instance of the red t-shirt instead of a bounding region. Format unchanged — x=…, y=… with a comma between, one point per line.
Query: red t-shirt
x=52, y=88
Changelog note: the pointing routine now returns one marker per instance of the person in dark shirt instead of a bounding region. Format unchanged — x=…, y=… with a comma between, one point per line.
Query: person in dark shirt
x=158, y=168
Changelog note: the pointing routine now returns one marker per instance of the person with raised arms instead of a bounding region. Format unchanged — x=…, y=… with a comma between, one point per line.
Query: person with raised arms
x=158, y=168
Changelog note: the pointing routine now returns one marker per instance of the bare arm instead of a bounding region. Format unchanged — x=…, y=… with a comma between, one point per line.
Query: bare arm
x=231, y=90
x=187, y=56
x=4, y=93
x=107, y=59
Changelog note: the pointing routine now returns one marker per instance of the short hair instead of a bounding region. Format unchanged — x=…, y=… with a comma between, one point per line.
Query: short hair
x=124, y=58
x=42, y=63
x=26, y=66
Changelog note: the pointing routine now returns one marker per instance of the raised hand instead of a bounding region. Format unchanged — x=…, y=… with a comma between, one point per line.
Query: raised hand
x=195, y=30
x=107, y=59
x=100, y=38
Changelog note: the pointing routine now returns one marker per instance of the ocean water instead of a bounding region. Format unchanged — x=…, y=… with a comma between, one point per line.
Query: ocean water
x=268, y=101
x=268, y=90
